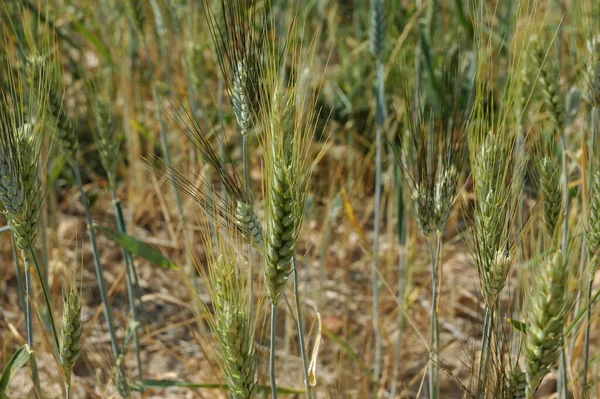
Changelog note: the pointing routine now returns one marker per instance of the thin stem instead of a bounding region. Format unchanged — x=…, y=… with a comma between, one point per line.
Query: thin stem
x=380, y=119
x=29, y=328
x=68, y=391
x=586, y=357
x=19, y=273
x=272, y=352
x=97, y=265
x=130, y=272
x=484, y=359
x=562, y=373
x=300, y=327
x=434, y=390
x=402, y=234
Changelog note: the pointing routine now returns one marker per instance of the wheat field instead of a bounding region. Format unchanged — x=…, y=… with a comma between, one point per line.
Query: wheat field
x=285, y=198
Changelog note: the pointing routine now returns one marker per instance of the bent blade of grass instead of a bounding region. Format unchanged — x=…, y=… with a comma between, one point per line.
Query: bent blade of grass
x=16, y=362
x=138, y=248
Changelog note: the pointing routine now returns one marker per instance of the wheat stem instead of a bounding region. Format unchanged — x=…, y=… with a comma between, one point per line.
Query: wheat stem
x=130, y=280
x=300, y=327
x=272, y=352
x=586, y=346
x=29, y=329
x=402, y=234
x=562, y=372
x=485, y=350
x=97, y=264
x=434, y=337
x=19, y=273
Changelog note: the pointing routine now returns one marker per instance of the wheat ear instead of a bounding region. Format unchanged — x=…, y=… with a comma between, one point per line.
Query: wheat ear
x=70, y=334
x=544, y=339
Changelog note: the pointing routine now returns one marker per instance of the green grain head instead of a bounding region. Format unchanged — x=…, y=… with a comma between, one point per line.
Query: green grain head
x=548, y=81
x=592, y=233
x=71, y=331
x=547, y=311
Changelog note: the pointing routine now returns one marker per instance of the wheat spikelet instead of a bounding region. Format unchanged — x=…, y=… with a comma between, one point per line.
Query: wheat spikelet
x=107, y=139
x=544, y=338
x=71, y=332
x=551, y=192
x=593, y=231
x=516, y=385
x=65, y=134
x=234, y=328
x=237, y=32
x=282, y=231
x=249, y=224
x=548, y=79
x=378, y=28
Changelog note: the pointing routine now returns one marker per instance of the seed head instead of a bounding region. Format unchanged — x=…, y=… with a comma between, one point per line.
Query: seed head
x=71, y=331
x=547, y=312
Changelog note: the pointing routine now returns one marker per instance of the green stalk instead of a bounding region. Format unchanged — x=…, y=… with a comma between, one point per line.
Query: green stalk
x=97, y=265
x=20, y=283
x=484, y=359
x=586, y=357
x=300, y=327
x=272, y=352
x=562, y=372
x=130, y=280
x=380, y=119
x=434, y=337
x=402, y=234
x=29, y=329
x=592, y=272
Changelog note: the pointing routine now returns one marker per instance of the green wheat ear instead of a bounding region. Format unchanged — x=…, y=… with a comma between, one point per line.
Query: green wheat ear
x=516, y=384
x=551, y=192
x=593, y=231
x=545, y=338
x=71, y=331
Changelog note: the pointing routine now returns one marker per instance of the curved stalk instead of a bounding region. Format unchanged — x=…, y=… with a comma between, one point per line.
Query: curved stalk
x=97, y=264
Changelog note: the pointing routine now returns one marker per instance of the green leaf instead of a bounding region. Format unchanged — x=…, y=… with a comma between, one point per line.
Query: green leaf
x=138, y=248
x=518, y=325
x=163, y=384
x=15, y=363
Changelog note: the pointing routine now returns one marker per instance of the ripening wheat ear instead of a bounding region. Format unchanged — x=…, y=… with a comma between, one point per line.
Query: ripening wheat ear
x=547, y=311
x=516, y=384
x=548, y=79
x=22, y=109
x=239, y=45
x=231, y=319
x=71, y=332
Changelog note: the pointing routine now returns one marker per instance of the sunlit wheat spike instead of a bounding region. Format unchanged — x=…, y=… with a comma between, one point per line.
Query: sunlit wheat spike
x=551, y=192
x=281, y=232
x=378, y=28
x=106, y=136
x=234, y=326
x=516, y=384
x=65, y=133
x=22, y=108
x=71, y=331
x=548, y=79
x=433, y=152
x=237, y=31
x=544, y=338
x=593, y=231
